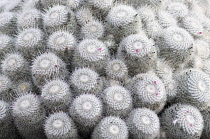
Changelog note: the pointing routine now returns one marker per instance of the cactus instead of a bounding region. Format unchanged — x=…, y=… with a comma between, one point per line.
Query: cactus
x=111, y=127
x=206, y=129
x=6, y=45
x=85, y=80
x=192, y=25
x=29, y=116
x=117, y=101
x=84, y=15
x=6, y=92
x=177, y=9
x=7, y=128
x=91, y=53
x=58, y=18
x=117, y=70
x=86, y=111
x=143, y=124
x=149, y=91
x=30, y=42
x=29, y=19
x=153, y=29
x=138, y=53
x=163, y=70
x=15, y=66
x=182, y=121
x=146, y=14
x=63, y=44
x=92, y=30
x=193, y=88
x=176, y=45
x=56, y=95
x=165, y=19
x=47, y=66
x=123, y=19
x=60, y=126
x=8, y=23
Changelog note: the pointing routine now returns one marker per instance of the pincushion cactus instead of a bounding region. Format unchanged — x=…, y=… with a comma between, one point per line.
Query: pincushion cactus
x=15, y=66
x=30, y=42
x=56, y=95
x=176, y=45
x=111, y=127
x=59, y=17
x=143, y=123
x=86, y=111
x=47, y=66
x=193, y=88
x=7, y=128
x=8, y=23
x=85, y=80
x=29, y=19
x=74, y=68
x=182, y=121
x=6, y=92
x=149, y=91
x=29, y=116
x=117, y=101
x=138, y=53
x=91, y=53
x=60, y=126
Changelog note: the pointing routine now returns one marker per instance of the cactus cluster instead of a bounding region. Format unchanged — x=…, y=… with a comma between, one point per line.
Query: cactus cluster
x=104, y=69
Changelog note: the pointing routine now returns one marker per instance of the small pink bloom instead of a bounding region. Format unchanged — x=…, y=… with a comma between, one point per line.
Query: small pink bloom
x=191, y=125
x=155, y=82
x=156, y=94
x=137, y=50
x=199, y=32
x=99, y=49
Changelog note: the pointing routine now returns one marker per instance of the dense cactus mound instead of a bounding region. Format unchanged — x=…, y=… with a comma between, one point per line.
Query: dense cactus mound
x=104, y=69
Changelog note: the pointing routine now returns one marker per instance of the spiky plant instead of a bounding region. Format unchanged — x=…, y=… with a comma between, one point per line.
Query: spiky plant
x=15, y=66
x=29, y=19
x=63, y=44
x=47, y=66
x=146, y=14
x=149, y=91
x=6, y=92
x=163, y=70
x=117, y=70
x=86, y=111
x=84, y=15
x=182, y=121
x=111, y=127
x=56, y=95
x=58, y=18
x=123, y=20
x=6, y=45
x=91, y=53
x=192, y=25
x=92, y=30
x=143, y=124
x=138, y=53
x=193, y=88
x=165, y=19
x=176, y=45
x=117, y=101
x=177, y=9
x=30, y=42
x=7, y=127
x=28, y=114
x=60, y=126
x=8, y=23
x=85, y=80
